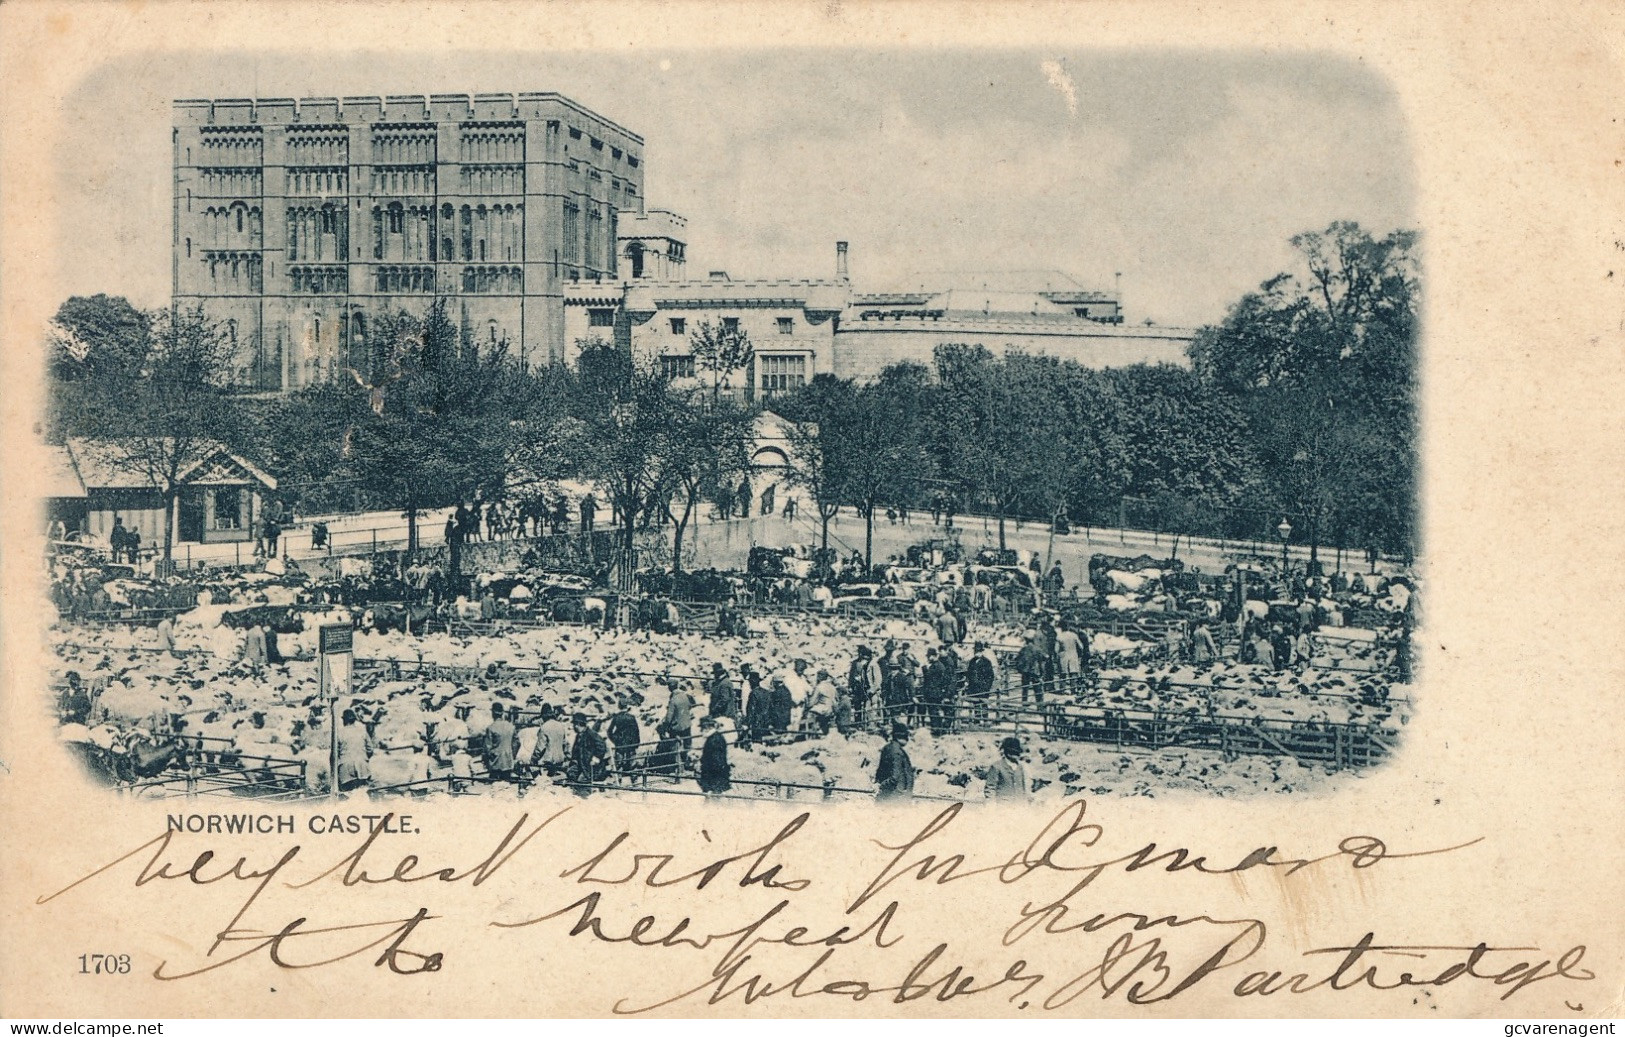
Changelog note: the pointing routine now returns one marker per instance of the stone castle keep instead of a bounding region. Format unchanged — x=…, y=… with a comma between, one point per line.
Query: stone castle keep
x=298, y=221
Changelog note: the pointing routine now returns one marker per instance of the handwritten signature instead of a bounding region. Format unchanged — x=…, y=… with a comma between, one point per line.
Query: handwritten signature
x=751, y=953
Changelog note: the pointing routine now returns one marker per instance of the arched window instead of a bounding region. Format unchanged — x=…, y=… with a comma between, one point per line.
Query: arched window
x=468, y=279
x=468, y=234
x=188, y=248
x=358, y=341
x=239, y=220
x=396, y=218
x=377, y=233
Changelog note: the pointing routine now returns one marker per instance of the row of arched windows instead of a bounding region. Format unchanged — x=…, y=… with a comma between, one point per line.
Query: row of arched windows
x=494, y=179
x=319, y=234
x=598, y=249
x=234, y=271
x=484, y=146
x=399, y=148
x=472, y=233
x=232, y=226
x=317, y=181
x=230, y=183
x=233, y=147
x=396, y=279
x=320, y=280
x=403, y=181
x=492, y=279
x=403, y=232
x=328, y=149
x=490, y=233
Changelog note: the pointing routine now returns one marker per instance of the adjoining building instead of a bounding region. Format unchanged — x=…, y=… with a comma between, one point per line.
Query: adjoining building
x=653, y=246
x=299, y=222
x=1041, y=312
x=802, y=328
x=92, y=485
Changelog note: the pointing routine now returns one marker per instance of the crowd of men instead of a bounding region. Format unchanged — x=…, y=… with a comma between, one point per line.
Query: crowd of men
x=945, y=675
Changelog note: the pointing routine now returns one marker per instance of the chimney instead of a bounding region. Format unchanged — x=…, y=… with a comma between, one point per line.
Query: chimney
x=840, y=261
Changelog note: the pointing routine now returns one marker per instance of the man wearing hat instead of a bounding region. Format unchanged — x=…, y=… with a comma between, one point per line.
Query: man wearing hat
x=782, y=706
x=624, y=735
x=862, y=681
x=979, y=677
x=500, y=744
x=551, y=737
x=680, y=712
x=1030, y=665
x=1008, y=779
x=451, y=736
x=894, y=774
x=355, y=751
x=724, y=700
x=820, y=708
x=714, y=766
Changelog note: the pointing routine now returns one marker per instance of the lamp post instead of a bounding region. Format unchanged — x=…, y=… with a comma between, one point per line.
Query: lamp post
x=1285, y=529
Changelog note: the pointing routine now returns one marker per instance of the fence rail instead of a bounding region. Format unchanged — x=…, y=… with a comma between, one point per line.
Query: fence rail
x=1336, y=745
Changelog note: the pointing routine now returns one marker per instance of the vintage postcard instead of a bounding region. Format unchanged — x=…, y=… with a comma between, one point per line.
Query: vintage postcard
x=1082, y=510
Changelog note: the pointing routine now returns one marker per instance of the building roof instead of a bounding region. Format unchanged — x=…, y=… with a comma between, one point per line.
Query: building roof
x=250, y=111
x=103, y=465
x=965, y=300
x=649, y=296
x=59, y=479
x=853, y=322
x=593, y=293
x=1026, y=281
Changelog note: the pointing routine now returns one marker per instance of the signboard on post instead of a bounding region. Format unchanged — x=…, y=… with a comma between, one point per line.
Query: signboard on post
x=337, y=638
x=336, y=645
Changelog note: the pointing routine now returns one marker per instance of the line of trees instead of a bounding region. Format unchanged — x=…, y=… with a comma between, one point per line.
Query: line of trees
x=1300, y=403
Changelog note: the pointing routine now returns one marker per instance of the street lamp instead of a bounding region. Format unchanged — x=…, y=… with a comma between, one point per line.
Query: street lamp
x=1285, y=529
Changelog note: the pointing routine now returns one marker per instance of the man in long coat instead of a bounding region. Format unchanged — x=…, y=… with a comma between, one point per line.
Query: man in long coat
x=500, y=744
x=894, y=774
x=1008, y=779
x=714, y=767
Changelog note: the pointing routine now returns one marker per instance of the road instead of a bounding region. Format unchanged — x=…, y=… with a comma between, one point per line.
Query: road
x=720, y=544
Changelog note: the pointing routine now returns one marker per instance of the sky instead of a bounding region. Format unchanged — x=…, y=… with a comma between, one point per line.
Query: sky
x=1186, y=172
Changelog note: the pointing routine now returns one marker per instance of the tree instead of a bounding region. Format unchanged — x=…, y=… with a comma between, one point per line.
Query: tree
x=720, y=349
x=624, y=410
x=860, y=445
x=1171, y=435
x=438, y=432
x=701, y=451
x=998, y=432
x=819, y=418
x=1323, y=361
x=883, y=439
x=94, y=346
x=306, y=438
x=171, y=413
